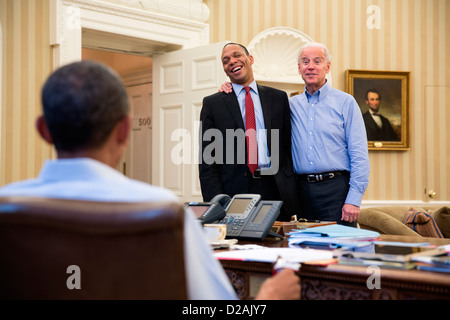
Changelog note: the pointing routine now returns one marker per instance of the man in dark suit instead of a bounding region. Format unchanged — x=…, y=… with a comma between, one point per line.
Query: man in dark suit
x=378, y=127
x=224, y=166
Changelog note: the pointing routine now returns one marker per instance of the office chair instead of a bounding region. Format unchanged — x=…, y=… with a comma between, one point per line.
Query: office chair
x=71, y=249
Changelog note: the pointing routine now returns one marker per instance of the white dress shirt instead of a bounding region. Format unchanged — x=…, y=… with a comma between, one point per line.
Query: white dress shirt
x=376, y=118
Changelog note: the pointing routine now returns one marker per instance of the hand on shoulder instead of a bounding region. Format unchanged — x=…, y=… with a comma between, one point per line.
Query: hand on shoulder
x=226, y=87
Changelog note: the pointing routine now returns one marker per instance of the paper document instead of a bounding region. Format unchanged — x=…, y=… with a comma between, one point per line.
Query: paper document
x=297, y=255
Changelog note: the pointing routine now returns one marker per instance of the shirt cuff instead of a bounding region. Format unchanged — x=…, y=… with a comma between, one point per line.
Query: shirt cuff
x=354, y=198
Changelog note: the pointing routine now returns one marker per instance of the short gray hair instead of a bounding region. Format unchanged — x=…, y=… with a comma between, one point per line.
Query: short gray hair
x=315, y=44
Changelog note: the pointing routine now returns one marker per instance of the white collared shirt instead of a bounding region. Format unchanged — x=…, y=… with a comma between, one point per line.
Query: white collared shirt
x=376, y=118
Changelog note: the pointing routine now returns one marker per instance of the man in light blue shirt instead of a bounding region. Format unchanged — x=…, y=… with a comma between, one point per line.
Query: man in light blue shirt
x=329, y=144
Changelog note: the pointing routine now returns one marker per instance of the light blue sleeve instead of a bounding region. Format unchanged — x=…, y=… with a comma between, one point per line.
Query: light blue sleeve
x=205, y=276
x=358, y=153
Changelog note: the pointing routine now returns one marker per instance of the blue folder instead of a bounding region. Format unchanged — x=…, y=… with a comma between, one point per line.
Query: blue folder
x=334, y=236
x=336, y=231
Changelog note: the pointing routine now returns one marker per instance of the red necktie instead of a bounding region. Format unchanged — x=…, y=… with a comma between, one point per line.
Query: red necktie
x=250, y=132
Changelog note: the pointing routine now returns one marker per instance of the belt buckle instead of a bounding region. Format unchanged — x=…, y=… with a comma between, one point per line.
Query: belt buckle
x=311, y=178
x=256, y=174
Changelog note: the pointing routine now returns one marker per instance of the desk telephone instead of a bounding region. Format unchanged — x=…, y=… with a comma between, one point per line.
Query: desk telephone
x=246, y=215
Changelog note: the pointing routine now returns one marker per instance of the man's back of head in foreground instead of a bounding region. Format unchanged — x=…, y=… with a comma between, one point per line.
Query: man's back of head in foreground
x=83, y=102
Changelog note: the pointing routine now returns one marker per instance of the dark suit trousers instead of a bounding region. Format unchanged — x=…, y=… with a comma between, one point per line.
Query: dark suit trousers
x=323, y=200
x=266, y=186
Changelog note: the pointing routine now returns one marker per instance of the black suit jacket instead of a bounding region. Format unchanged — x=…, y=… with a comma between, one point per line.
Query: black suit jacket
x=374, y=133
x=228, y=173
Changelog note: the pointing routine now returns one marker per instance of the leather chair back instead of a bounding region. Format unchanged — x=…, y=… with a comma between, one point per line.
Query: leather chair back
x=111, y=250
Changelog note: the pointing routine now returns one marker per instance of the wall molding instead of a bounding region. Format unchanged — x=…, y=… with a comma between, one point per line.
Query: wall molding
x=137, y=78
x=182, y=29
x=191, y=9
x=412, y=203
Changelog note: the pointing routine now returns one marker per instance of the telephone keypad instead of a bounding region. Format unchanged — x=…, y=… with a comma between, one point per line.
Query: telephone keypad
x=233, y=225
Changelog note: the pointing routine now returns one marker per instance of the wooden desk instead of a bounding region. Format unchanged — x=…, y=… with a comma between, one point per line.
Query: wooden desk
x=340, y=282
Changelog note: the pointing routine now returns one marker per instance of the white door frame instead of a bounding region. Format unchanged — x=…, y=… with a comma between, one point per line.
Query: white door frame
x=68, y=18
x=167, y=24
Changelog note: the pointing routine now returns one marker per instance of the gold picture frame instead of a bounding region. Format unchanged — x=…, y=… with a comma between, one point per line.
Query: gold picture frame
x=387, y=91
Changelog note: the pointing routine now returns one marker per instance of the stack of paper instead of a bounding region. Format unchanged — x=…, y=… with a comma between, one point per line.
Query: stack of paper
x=333, y=236
x=262, y=254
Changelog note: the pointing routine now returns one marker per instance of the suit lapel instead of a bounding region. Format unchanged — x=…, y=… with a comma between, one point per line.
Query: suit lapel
x=266, y=104
x=233, y=107
x=372, y=122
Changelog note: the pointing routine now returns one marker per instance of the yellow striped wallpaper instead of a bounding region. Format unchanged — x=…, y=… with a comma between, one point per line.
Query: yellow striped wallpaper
x=413, y=35
x=26, y=62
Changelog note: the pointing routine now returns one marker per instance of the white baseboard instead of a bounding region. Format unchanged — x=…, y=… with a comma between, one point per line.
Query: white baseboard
x=417, y=203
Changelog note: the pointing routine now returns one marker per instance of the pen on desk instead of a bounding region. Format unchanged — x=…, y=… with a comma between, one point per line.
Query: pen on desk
x=308, y=221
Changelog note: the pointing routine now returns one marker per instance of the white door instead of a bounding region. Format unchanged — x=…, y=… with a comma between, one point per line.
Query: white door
x=137, y=159
x=181, y=80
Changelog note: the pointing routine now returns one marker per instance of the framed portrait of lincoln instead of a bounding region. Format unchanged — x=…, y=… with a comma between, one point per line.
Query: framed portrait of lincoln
x=383, y=97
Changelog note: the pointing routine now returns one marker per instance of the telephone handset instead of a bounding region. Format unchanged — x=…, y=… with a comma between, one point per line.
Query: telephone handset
x=222, y=199
x=247, y=216
x=207, y=212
